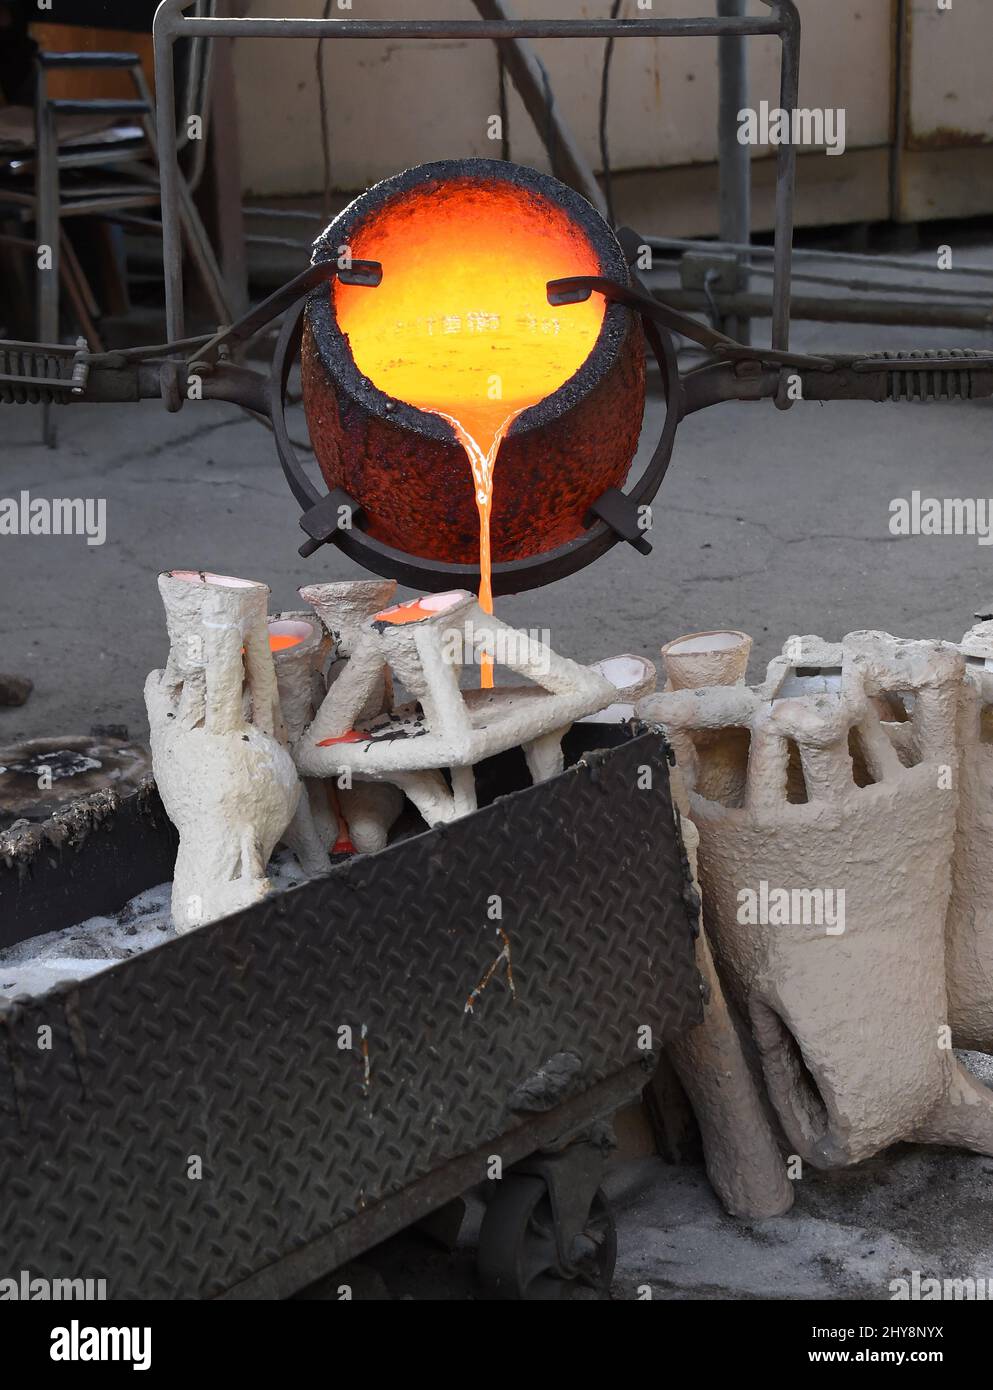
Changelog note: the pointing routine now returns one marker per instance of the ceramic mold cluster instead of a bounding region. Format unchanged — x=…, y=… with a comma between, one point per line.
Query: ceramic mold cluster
x=740, y=1146
x=287, y=728
x=838, y=775
x=226, y=780
x=969, y=928
x=426, y=648
x=300, y=683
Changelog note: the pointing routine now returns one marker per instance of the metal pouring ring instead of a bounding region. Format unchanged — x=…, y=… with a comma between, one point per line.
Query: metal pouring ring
x=508, y=577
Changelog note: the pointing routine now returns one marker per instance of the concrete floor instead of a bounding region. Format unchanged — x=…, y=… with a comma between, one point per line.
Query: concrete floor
x=776, y=523
x=849, y=1236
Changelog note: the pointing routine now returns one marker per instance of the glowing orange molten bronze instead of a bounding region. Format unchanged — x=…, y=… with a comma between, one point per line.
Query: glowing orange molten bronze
x=282, y=641
x=415, y=610
x=461, y=323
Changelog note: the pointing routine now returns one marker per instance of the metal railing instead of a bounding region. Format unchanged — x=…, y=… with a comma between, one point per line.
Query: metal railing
x=171, y=24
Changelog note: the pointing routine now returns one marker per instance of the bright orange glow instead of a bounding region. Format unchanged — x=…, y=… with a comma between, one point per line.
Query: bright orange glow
x=408, y=613
x=415, y=610
x=461, y=323
x=353, y=736
x=343, y=842
x=280, y=641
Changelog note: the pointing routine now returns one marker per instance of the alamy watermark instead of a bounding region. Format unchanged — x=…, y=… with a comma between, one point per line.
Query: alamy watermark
x=772, y=125
x=25, y=515
x=942, y=516
x=28, y=1288
x=926, y=1289
x=80, y=1342
x=514, y=647
x=792, y=907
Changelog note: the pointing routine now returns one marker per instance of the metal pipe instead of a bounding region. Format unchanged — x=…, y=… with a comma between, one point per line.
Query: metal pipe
x=48, y=225
x=289, y=214
x=673, y=243
x=735, y=172
x=834, y=309
x=467, y=28
x=284, y=243
x=533, y=87
x=901, y=77
x=789, y=86
x=86, y=207
x=163, y=36
x=938, y=296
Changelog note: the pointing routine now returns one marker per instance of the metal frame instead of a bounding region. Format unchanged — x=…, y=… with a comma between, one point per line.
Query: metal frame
x=613, y=517
x=128, y=155
x=735, y=159
x=738, y=373
x=171, y=24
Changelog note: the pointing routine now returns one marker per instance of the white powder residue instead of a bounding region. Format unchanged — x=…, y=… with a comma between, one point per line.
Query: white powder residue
x=32, y=967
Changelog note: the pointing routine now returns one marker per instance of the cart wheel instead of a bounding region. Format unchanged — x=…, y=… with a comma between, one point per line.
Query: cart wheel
x=518, y=1256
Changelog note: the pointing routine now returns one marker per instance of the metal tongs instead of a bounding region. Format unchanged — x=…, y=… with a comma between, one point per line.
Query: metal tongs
x=369, y=273
x=575, y=289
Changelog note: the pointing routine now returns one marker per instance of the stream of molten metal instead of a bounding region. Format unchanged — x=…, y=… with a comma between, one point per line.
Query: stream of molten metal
x=461, y=325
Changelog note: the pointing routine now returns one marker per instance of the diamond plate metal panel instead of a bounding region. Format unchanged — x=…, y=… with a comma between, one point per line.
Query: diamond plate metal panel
x=223, y=1047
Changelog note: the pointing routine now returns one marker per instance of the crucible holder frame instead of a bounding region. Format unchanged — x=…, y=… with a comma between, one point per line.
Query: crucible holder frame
x=616, y=515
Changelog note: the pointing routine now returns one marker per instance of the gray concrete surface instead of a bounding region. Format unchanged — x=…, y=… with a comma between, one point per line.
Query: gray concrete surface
x=851, y=1236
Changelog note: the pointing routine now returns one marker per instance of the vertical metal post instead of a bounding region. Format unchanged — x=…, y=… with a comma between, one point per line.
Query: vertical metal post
x=789, y=89
x=47, y=228
x=901, y=21
x=224, y=180
x=531, y=80
x=735, y=191
x=168, y=157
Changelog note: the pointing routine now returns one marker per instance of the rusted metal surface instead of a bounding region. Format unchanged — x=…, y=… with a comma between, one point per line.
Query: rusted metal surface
x=945, y=55
x=946, y=136
x=87, y=858
x=40, y=775
x=406, y=468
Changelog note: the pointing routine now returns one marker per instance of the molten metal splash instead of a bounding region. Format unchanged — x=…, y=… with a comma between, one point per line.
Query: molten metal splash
x=415, y=610
x=461, y=324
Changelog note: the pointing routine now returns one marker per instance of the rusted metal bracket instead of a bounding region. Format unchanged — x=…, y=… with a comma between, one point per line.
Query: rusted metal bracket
x=322, y=522
x=368, y=273
x=574, y=289
x=623, y=516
